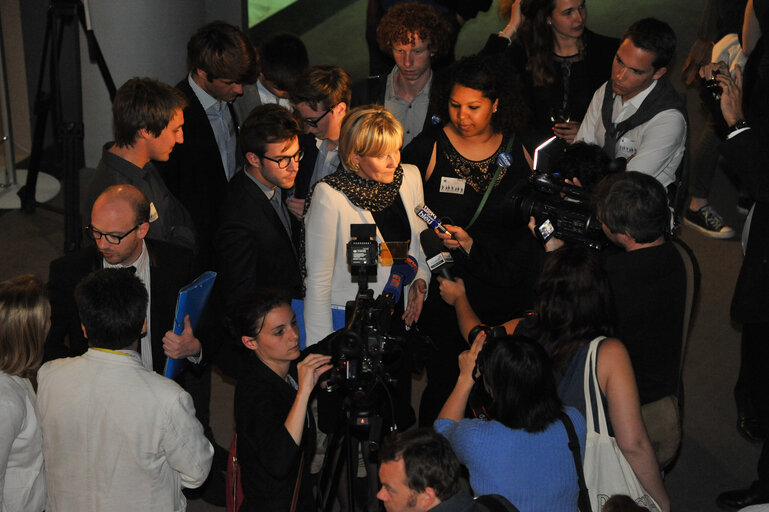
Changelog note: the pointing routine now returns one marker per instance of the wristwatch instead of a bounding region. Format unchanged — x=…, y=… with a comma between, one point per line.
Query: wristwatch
x=737, y=126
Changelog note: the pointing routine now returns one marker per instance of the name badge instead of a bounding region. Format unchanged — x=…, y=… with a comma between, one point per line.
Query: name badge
x=153, y=213
x=626, y=148
x=452, y=186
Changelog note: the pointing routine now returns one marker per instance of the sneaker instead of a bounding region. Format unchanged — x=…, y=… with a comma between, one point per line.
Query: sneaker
x=707, y=221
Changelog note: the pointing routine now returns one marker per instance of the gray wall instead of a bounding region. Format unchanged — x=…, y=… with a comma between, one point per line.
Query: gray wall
x=139, y=38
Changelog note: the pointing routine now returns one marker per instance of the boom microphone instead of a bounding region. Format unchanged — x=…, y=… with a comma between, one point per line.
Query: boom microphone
x=427, y=215
x=438, y=261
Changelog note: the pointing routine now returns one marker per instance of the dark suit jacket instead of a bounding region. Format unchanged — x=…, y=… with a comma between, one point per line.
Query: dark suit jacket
x=194, y=173
x=252, y=246
x=170, y=268
x=748, y=156
x=306, y=165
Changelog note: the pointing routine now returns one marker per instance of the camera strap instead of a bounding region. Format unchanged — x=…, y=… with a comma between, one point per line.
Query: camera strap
x=490, y=186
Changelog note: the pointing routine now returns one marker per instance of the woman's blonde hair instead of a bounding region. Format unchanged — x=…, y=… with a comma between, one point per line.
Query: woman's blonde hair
x=24, y=321
x=368, y=130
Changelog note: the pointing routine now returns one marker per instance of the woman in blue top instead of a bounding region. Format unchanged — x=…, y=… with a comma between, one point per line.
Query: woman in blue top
x=522, y=452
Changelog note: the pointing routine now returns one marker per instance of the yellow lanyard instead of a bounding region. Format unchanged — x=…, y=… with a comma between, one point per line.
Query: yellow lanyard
x=110, y=351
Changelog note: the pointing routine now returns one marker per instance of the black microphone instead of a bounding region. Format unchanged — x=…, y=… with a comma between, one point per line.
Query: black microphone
x=438, y=260
x=427, y=215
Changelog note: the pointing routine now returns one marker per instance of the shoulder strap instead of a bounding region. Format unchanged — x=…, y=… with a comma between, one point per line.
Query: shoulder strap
x=490, y=186
x=583, y=501
x=591, y=380
x=496, y=503
x=295, y=496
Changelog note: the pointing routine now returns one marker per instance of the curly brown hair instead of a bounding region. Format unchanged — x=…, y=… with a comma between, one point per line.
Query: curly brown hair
x=404, y=21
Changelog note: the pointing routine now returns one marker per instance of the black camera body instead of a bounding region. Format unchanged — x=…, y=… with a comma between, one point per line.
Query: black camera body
x=362, y=350
x=712, y=86
x=560, y=210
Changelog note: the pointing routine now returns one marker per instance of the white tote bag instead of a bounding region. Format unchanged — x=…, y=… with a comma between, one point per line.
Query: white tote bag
x=607, y=472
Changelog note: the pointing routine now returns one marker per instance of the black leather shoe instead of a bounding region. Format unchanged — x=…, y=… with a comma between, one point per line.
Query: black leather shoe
x=738, y=499
x=750, y=428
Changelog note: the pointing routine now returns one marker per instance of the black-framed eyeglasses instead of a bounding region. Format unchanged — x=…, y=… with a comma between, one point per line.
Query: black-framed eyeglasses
x=314, y=121
x=111, y=238
x=283, y=161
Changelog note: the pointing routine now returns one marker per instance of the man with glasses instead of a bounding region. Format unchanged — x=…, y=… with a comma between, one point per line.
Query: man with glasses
x=256, y=241
x=220, y=59
x=119, y=227
x=321, y=97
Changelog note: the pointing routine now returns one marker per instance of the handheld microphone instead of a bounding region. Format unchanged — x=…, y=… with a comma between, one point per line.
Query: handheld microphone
x=427, y=215
x=438, y=261
x=401, y=275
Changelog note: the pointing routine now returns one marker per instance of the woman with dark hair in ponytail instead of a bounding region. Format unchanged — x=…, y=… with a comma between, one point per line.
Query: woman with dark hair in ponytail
x=276, y=431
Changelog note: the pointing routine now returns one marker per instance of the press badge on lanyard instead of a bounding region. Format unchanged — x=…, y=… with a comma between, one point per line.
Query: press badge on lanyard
x=452, y=185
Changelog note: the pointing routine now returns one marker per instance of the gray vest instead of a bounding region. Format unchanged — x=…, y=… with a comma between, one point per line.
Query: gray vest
x=662, y=97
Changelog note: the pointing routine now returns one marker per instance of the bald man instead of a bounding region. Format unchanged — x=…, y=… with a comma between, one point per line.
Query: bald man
x=119, y=227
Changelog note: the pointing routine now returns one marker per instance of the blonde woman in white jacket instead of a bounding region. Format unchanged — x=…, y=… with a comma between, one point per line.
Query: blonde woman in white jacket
x=371, y=187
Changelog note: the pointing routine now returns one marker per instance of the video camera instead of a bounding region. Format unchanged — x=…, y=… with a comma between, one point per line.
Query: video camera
x=560, y=209
x=363, y=349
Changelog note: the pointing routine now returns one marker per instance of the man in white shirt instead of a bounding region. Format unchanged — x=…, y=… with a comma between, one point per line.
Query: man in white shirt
x=117, y=436
x=646, y=117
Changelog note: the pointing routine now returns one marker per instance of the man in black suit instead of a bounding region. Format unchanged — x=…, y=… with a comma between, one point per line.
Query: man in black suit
x=119, y=226
x=220, y=59
x=746, y=153
x=255, y=240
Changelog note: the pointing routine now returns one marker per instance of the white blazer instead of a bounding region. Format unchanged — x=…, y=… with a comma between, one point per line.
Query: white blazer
x=329, y=283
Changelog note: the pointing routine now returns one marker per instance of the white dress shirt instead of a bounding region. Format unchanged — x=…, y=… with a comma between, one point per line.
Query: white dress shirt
x=222, y=124
x=655, y=147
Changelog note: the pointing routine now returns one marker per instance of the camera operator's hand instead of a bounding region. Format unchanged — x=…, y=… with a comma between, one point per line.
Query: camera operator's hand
x=452, y=291
x=417, y=292
x=460, y=237
x=566, y=131
x=552, y=244
x=731, y=96
x=309, y=371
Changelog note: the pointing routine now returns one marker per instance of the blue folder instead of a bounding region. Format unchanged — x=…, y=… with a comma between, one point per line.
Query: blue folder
x=192, y=301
